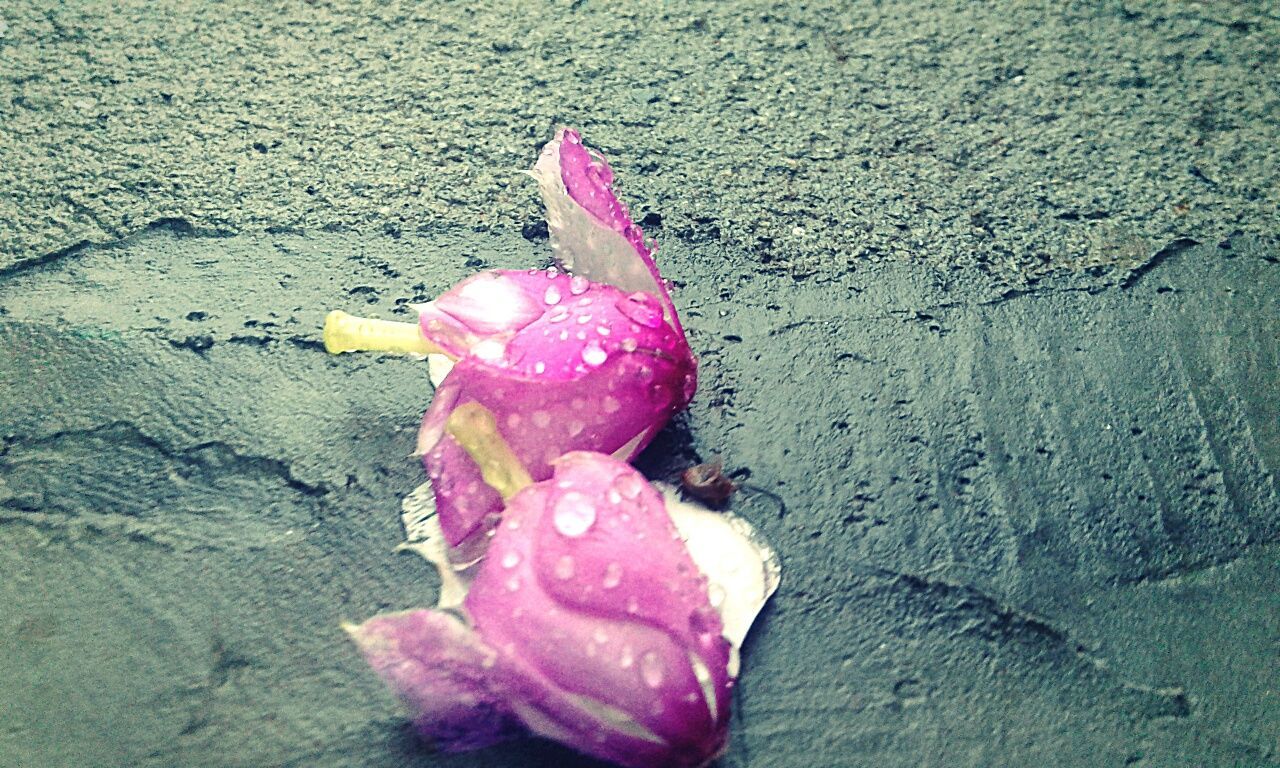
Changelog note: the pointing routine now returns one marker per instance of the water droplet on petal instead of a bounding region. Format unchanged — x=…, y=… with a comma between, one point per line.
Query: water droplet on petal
x=629, y=345
x=633, y=605
x=489, y=350
x=564, y=568
x=584, y=319
x=643, y=308
x=594, y=354
x=574, y=514
x=511, y=559
x=716, y=594
x=513, y=584
x=628, y=657
x=651, y=671
x=599, y=636
x=576, y=427
x=603, y=330
x=629, y=485
x=578, y=285
x=610, y=404
x=552, y=296
x=552, y=272
x=612, y=576
x=539, y=367
x=540, y=419
x=557, y=314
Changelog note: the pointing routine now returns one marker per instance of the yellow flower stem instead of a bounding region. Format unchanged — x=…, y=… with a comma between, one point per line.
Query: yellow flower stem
x=348, y=333
x=475, y=429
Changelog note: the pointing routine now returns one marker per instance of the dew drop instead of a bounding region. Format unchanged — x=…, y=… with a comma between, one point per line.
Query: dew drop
x=614, y=496
x=513, y=584
x=716, y=594
x=584, y=319
x=594, y=354
x=489, y=350
x=539, y=367
x=612, y=576
x=629, y=345
x=603, y=330
x=540, y=419
x=629, y=485
x=511, y=559
x=557, y=314
x=642, y=308
x=552, y=272
x=552, y=296
x=628, y=657
x=610, y=404
x=651, y=671
x=633, y=605
x=578, y=285
x=564, y=568
x=576, y=427
x=599, y=636
x=574, y=514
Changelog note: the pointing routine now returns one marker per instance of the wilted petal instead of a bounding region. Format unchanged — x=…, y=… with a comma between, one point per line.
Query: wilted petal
x=591, y=231
x=442, y=671
x=424, y=536
x=742, y=570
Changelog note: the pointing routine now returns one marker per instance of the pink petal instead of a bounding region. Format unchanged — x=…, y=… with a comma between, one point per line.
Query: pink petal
x=591, y=231
x=588, y=585
x=485, y=306
x=599, y=370
x=441, y=670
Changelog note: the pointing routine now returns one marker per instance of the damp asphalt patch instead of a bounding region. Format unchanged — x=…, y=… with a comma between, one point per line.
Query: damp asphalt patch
x=1032, y=526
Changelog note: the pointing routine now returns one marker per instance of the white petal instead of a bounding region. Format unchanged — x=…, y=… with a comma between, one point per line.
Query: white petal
x=740, y=566
x=423, y=535
x=438, y=366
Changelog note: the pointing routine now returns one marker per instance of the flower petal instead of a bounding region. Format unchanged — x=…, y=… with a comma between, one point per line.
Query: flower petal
x=559, y=385
x=592, y=234
x=441, y=670
x=489, y=305
x=588, y=584
x=742, y=570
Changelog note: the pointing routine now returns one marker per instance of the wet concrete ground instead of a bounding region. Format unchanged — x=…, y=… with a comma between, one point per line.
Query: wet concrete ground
x=1017, y=527
x=1011, y=429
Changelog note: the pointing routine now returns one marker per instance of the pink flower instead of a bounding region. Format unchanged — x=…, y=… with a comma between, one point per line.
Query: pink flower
x=589, y=355
x=604, y=617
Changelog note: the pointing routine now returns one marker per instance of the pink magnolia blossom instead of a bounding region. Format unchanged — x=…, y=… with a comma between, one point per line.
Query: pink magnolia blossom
x=604, y=617
x=586, y=356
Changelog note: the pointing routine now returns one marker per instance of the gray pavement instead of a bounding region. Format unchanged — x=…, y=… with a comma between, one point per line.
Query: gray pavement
x=986, y=301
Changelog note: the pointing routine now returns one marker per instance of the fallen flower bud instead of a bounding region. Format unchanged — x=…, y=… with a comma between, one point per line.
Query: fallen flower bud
x=604, y=617
x=589, y=355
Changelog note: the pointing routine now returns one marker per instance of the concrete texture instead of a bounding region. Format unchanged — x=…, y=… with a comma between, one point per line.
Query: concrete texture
x=1012, y=430
x=1019, y=136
